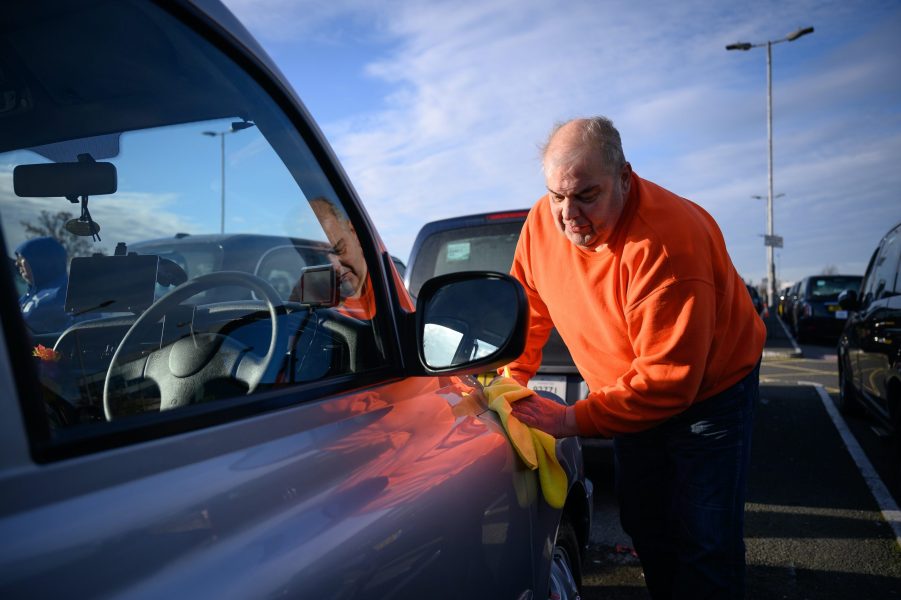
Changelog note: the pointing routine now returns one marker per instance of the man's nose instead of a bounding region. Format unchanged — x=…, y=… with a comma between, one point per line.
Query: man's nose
x=568, y=210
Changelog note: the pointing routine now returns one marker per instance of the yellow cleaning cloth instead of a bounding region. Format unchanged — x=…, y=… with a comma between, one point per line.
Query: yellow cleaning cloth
x=536, y=448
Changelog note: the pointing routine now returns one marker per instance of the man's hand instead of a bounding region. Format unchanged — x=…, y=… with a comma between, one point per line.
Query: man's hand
x=546, y=415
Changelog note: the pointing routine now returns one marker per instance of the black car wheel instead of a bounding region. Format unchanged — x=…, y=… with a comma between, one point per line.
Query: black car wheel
x=566, y=567
x=848, y=402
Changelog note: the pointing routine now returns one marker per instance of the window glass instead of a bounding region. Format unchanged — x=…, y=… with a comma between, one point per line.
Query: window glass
x=885, y=269
x=477, y=248
x=828, y=287
x=161, y=213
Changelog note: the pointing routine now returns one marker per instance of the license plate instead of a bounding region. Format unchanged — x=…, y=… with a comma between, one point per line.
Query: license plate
x=556, y=384
x=841, y=314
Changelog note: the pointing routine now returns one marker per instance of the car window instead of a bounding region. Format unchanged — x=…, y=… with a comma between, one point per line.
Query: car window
x=179, y=241
x=829, y=287
x=476, y=248
x=883, y=280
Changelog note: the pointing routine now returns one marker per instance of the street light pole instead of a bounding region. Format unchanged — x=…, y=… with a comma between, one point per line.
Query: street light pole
x=770, y=249
x=236, y=126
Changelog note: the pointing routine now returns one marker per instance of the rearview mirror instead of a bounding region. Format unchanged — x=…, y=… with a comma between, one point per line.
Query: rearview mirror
x=318, y=286
x=63, y=180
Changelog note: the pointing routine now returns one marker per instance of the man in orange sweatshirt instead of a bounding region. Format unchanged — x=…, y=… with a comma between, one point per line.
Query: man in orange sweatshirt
x=639, y=285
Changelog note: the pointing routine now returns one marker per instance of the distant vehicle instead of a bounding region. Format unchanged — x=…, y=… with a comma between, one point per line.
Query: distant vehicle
x=788, y=305
x=244, y=415
x=487, y=241
x=815, y=312
x=869, y=349
x=755, y=297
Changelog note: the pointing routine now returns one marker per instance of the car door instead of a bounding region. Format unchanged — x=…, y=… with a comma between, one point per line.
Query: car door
x=166, y=447
x=880, y=322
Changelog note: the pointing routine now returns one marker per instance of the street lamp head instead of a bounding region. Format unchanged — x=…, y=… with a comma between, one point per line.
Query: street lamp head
x=796, y=34
x=239, y=125
x=210, y=133
x=740, y=46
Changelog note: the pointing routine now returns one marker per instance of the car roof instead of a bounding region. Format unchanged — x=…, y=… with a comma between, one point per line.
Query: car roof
x=501, y=216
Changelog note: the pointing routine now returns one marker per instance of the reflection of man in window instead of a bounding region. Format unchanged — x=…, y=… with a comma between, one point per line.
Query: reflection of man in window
x=346, y=255
x=42, y=264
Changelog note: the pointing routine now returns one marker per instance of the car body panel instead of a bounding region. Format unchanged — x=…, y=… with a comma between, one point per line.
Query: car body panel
x=351, y=498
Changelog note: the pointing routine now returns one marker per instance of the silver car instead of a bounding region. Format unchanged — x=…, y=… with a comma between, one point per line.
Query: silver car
x=320, y=440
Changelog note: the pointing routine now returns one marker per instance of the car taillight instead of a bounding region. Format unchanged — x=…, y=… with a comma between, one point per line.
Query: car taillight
x=516, y=214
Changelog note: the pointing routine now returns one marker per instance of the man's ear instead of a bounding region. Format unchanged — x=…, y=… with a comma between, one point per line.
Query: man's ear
x=625, y=178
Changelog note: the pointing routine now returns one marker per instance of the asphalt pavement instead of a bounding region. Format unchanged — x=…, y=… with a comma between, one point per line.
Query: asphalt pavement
x=779, y=342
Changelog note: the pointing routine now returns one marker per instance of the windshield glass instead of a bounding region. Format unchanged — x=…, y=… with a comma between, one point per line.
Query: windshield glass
x=828, y=288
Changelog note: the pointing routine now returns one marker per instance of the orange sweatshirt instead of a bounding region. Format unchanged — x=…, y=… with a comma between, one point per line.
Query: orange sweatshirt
x=656, y=319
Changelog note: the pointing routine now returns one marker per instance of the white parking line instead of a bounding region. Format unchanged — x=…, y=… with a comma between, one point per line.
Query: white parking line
x=884, y=500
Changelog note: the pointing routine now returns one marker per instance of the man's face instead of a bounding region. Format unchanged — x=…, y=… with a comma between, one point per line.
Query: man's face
x=24, y=269
x=586, y=200
x=347, y=256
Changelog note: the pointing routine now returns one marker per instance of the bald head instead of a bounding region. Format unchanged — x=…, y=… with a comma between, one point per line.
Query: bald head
x=572, y=141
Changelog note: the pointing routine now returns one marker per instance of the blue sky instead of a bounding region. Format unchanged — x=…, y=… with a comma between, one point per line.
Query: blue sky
x=437, y=109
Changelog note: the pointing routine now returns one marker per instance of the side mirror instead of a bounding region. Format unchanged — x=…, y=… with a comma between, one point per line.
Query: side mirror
x=848, y=300
x=470, y=322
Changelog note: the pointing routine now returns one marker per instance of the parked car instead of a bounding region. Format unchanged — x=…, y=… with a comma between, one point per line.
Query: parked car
x=487, y=241
x=869, y=350
x=756, y=299
x=815, y=312
x=782, y=300
x=788, y=305
x=189, y=444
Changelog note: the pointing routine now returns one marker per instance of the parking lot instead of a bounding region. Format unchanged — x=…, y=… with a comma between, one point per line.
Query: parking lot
x=818, y=524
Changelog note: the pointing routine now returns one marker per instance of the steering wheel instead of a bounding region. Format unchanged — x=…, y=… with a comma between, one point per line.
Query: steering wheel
x=181, y=368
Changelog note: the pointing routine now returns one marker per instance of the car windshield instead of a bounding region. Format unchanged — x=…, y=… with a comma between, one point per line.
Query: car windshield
x=141, y=162
x=829, y=287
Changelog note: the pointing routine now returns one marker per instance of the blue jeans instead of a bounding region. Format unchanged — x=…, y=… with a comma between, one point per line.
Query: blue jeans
x=681, y=489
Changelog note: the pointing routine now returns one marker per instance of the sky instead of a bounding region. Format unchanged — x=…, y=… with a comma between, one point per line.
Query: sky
x=437, y=109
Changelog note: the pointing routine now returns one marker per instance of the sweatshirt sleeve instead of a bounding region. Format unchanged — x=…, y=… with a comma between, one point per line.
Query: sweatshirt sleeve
x=671, y=331
x=524, y=368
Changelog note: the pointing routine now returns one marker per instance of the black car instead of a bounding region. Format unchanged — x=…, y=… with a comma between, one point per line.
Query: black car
x=869, y=350
x=487, y=241
x=815, y=312
x=755, y=297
